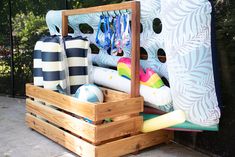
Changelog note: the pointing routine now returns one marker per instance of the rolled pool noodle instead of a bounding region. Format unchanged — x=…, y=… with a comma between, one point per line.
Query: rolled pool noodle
x=52, y=66
x=76, y=51
x=164, y=121
x=110, y=78
x=37, y=63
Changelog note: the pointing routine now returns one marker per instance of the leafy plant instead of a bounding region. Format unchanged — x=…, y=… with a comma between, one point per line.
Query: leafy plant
x=28, y=28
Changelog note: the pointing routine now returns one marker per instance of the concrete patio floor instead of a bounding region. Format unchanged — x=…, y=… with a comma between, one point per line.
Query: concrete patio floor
x=17, y=140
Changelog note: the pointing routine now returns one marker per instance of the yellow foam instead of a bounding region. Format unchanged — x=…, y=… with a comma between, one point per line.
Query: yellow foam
x=164, y=121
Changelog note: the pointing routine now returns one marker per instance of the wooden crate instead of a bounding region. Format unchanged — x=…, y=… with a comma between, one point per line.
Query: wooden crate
x=59, y=117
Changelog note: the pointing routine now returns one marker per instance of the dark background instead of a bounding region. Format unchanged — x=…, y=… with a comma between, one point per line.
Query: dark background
x=28, y=24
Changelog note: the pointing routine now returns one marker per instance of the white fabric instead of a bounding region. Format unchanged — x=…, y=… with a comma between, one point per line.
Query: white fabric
x=110, y=78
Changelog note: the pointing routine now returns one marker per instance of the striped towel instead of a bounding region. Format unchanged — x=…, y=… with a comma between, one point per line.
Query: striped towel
x=49, y=67
x=76, y=51
x=37, y=63
x=52, y=65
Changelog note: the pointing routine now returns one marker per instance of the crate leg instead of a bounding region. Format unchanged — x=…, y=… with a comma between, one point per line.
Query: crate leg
x=137, y=146
x=136, y=152
x=170, y=137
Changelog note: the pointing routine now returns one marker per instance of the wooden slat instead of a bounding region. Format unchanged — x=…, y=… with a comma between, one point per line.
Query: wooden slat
x=109, y=7
x=111, y=149
x=93, y=133
x=64, y=24
x=119, y=128
x=132, y=144
x=64, y=102
x=65, y=139
x=119, y=108
x=94, y=112
x=135, y=49
x=75, y=125
x=112, y=95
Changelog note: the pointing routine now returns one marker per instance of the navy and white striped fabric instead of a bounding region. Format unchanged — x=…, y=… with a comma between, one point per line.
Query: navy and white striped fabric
x=37, y=63
x=76, y=51
x=50, y=68
x=52, y=65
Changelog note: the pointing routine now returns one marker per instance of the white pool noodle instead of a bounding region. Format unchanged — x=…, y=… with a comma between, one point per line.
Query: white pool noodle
x=110, y=78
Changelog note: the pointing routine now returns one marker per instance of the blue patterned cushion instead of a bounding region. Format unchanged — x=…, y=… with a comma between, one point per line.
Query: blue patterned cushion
x=187, y=35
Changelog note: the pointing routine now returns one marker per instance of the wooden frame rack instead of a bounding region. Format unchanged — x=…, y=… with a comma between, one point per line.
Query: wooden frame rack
x=135, y=38
x=61, y=117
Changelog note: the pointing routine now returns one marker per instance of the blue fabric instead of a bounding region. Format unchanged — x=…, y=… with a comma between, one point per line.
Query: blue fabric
x=51, y=56
x=37, y=54
x=107, y=33
x=76, y=52
x=81, y=70
x=37, y=72
x=44, y=58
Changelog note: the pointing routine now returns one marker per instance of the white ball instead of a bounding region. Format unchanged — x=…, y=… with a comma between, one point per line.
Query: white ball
x=89, y=93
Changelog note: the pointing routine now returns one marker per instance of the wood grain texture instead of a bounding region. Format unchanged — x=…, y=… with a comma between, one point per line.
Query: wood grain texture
x=75, y=125
x=90, y=132
x=112, y=149
x=119, y=128
x=132, y=144
x=119, y=108
x=92, y=111
x=64, y=24
x=109, y=7
x=76, y=145
x=135, y=50
x=113, y=95
x=68, y=103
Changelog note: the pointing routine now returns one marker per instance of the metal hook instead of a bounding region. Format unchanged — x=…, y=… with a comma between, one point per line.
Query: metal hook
x=120, y=12
x=115, y=13
x=108, y=13
x=102, y=13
